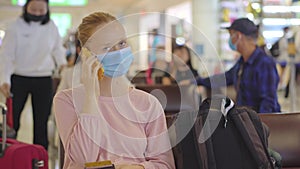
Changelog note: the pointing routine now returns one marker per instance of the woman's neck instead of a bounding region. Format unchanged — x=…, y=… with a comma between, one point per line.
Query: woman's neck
x=111, y=87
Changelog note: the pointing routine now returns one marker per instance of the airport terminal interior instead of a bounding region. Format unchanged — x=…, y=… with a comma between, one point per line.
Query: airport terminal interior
x=159, y=26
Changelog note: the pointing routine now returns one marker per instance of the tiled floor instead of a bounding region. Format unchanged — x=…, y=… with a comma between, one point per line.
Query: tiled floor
x=286, y=103
x=25, y=133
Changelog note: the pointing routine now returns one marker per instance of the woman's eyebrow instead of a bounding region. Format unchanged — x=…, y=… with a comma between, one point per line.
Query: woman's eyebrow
x=121, y=40
x=115, y=42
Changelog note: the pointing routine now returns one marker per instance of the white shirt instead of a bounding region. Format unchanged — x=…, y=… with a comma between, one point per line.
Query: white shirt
x=283, y=49
x=30, y=49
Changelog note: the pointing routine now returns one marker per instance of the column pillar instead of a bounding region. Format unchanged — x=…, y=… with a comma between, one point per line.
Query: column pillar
x=205, y=19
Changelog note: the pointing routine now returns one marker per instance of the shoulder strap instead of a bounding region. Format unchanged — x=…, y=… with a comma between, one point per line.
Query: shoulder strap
x=201, y=146
x=215, y=103
x=251, y=137
x=262, y=131
x=263, y=134
x=205, y=149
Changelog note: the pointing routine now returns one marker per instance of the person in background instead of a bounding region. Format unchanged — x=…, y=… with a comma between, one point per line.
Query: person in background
x=70, y=59
x=181, y=68
x=254, y=75
x=283, y=45
x=31, y=48
x=106, y=118
x=152, y=56
x=67, y=80
x=283, y=59
x=297, y=57
x=261, y=41
x=297, y=42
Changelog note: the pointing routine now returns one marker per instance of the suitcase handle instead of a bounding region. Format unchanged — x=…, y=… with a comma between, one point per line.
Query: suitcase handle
x=4, y=110
x=9, y=112
x=36, y=164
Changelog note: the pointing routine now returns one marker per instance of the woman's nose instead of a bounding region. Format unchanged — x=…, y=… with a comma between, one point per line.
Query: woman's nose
x=36, y=13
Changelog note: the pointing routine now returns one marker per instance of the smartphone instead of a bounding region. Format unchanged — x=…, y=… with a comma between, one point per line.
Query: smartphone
x=99, y=165
x=86, y=52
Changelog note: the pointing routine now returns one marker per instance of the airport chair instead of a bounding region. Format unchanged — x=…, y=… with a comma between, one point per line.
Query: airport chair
x=284, y=137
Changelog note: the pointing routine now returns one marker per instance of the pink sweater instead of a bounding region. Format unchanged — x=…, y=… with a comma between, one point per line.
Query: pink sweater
x=130, y=129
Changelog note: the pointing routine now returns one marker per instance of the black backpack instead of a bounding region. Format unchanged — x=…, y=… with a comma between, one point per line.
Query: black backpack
x=217, y=141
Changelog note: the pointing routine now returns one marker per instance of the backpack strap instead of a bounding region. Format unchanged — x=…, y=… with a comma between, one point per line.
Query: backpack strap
x=206, y=148
x=263, y=132
x=251, y=138
x=201, y=146
x=210, y=154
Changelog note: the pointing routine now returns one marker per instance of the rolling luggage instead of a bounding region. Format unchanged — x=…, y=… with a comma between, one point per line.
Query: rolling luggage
x=18, y=155
x=10, y=131
x=9, y=114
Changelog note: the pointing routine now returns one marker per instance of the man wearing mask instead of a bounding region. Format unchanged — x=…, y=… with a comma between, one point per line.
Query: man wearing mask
x=254, y=76
x=31, y=48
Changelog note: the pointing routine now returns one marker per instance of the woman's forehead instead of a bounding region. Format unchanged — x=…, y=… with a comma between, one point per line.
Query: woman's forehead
x=111, y=32
x=37, y=4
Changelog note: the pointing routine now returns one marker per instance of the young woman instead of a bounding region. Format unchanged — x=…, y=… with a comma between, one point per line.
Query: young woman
x=182, y=68
x=31, y=48
x=105, y=118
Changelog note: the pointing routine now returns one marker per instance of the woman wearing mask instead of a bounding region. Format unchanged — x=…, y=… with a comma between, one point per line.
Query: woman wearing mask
x=66, y=80
x=182, y=68
x=31, y=48
x=106, y=118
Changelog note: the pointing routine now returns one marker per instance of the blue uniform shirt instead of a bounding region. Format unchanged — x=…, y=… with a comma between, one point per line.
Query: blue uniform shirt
x=258, y=82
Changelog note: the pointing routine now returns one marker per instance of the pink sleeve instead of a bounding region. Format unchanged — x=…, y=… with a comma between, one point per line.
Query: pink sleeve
x=65, y=115
x=159, y=152
x=78, y=147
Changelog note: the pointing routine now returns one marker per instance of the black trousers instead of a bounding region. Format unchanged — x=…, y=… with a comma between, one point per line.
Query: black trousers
x=40, y=89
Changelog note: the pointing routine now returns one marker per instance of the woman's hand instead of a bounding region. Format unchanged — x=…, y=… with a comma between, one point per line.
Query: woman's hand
x=129, y=166
x=5, y=89
x=89, y=78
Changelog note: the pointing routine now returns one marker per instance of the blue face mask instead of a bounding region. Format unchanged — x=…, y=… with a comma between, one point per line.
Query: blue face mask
x=116, y=63
x=231, y=45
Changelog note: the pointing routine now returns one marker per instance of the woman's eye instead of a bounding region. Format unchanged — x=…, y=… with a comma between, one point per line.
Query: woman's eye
x=106, y=49
x=122, y=44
